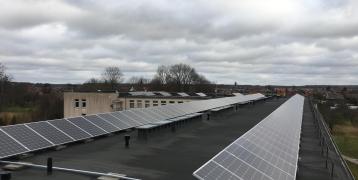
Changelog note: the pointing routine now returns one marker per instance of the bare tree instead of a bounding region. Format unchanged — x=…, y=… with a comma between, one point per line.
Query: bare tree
x=182, y=75
x=201, y=80
x=93, y=81
x=113, y=76
x=3, y=76
x=178, y=77
x=139, y=80
x=4, y=83
x=163, y=74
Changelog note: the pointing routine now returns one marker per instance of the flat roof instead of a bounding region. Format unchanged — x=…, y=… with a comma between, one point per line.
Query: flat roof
x=171, y=155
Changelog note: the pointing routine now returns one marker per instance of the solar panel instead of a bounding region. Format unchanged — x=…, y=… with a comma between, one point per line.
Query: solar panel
x=157, y=111
x=100, y=122
x=134, y=117
x=87, y=126
x=201, y=94
x=115, y=121
x=27, y=137
x=142, y=93
x=54, y=132
x=70, y=129
x=154, y=114
x=9, y=146
x=178, y=110
x=169, y=111
x=183, y=94
x=164, y=93
x=238, y=94
x=121, y=116
x=51, y=133
x=268, y=151
x=145, y=116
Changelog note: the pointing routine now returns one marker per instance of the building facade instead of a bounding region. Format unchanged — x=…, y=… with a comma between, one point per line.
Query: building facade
x=83, y=103
x=86, y=103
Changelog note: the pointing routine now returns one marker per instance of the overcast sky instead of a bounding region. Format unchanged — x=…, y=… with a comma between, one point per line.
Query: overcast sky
x=287, y=42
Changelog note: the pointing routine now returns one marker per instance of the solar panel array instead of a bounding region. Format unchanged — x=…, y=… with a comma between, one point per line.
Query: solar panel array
x=22, y=138
x=183, y=94
x=267, y=151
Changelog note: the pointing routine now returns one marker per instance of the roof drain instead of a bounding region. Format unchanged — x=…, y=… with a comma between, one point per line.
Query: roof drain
x=92, y=173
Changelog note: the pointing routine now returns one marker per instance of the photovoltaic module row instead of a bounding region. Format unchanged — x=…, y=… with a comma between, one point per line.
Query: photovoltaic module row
x=23, y=138
x=267, y=151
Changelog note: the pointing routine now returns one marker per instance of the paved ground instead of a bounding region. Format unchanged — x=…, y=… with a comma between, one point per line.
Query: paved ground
x=165, y=155
x=313, y=156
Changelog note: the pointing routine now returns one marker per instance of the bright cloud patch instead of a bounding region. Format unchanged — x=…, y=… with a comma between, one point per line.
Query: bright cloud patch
x=289, y=42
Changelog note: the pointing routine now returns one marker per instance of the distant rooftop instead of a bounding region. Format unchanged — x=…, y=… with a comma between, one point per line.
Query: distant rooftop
x=164, y=94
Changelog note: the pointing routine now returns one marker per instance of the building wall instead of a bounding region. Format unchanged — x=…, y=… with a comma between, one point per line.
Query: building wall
x=136, y=102
x=101, y=102
x=94, y=103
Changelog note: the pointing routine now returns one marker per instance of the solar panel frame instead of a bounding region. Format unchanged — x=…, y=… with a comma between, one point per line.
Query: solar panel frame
x=144, y=115
x=177, y=110
x=56, y=136
x=123, y=117
x=170, y=110
x=70, y=129
x=27, y=137
x=86, y=125
x=154, y=114
x=135, y=117
x=183, y=94
x=115, y=121
x=9, y=146
x=166, y=111
x=142, y=93
x=100, y=122
x=165, y=115
x=163, y=93
x=201, y=94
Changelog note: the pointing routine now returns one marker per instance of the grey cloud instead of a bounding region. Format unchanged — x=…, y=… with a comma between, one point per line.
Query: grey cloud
x=298, y=42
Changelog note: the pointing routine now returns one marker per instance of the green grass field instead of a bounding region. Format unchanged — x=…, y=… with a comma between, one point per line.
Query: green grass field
x=18, y=109
x=16, y=114
x=354, y=169
x=346, y=138
x=347, y=145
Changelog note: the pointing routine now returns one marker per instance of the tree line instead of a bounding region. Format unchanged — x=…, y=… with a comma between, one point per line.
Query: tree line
x=172, y=78
x=27, y=102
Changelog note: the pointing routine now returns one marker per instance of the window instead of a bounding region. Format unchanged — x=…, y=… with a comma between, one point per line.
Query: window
x=139, y=103
x=171, y=102
x=84, y=103
x=180, y=102
x=163, y=103
x=155, y=103
x=77, y=103
x=83, y=114
x=147, y=103
x=131, y=104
